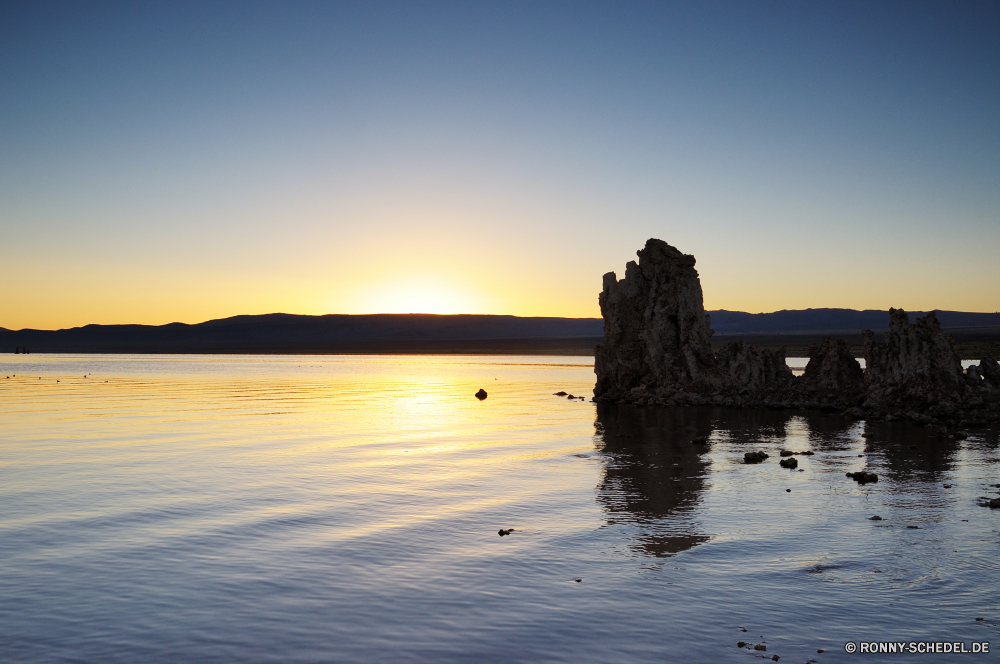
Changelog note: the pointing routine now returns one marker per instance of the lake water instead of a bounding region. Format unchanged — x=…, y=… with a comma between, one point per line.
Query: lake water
x=346, y=509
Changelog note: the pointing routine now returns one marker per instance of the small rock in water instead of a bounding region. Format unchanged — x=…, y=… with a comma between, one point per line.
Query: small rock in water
x=503, y=532
x=788, y=490
x=775, y=658
x=875, y=518
x=862, y=477
x=560, y=393
x=760, y=647
x=578, y=580
x=743, y=644
x=980, y=619
x=699, y=440
x=481, y=394
x=754, y=457
x=807, y=453
x=914, y=527
x=786, y=453
x=995, y=503
x=821, y=651
x=790, y=462
x=570, y=396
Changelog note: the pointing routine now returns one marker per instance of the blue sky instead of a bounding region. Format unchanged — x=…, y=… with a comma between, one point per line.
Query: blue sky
x=186, y=161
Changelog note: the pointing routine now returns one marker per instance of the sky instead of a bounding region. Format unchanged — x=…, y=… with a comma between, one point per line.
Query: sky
x=172, y=161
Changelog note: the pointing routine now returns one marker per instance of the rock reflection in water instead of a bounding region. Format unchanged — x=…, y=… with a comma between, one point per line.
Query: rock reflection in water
x=911, y=452
x=653, y=474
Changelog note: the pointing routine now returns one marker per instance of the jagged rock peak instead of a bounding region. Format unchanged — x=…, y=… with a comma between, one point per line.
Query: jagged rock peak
x=832, y=368
x=656, y=331
x=912, y=354
x=743, y=368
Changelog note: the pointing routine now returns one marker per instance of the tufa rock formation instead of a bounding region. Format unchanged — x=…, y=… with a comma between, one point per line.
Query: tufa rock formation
x=833, y=373
x=988, y=372
x=743, y=369
x=657, y=350
x=914, y=368
x=657, y=336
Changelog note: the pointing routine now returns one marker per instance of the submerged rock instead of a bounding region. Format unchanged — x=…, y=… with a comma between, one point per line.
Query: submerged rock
x=863, y=477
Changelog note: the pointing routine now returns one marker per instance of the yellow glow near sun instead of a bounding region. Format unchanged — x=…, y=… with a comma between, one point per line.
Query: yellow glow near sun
x=415, y=295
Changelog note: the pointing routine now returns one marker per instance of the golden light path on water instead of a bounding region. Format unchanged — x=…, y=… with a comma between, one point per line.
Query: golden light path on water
x=347, y=508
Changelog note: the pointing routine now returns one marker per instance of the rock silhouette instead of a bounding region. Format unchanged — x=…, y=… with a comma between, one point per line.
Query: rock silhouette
x=989, y=370
x=657, y=336
x=832, y=374
x=657, y=350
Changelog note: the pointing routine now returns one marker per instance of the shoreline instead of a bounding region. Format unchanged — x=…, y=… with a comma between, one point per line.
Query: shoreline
x=969, y=345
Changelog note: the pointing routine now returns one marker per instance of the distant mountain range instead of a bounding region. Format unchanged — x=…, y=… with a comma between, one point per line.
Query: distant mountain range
x=836, y=321
x=289, y=333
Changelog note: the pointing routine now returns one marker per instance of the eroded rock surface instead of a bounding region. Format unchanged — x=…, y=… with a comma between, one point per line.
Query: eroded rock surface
x=989, y=369
x=745, y=369
x=657, y=336
x=914, y=368
x=833, y=371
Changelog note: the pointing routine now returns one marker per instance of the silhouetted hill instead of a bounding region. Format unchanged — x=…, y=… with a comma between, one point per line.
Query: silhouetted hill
x=835, y=321
x=427, y=333
x=289, y=333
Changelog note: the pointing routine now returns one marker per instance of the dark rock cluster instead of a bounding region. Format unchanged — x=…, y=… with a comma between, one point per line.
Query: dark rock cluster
x=657, y=350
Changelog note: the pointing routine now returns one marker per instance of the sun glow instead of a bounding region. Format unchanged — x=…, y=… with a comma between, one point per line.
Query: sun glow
x=415, y=295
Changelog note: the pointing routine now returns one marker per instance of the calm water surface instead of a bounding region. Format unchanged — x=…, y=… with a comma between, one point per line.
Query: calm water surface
x=343, y=509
